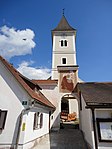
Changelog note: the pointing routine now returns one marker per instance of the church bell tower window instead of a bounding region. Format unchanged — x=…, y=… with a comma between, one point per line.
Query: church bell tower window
x=63, y=60
x=63, y=43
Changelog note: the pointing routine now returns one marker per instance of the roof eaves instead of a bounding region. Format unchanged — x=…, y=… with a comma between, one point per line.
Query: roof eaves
x=34, y=95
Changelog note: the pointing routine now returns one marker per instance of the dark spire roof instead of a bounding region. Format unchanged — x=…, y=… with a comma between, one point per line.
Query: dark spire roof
x=63, y=25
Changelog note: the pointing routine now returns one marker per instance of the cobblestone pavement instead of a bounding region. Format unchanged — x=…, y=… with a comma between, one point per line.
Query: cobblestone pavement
x=66, y=138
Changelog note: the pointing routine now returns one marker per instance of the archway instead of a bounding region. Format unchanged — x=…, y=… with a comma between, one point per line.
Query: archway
x=69, y=109
x=64, y=108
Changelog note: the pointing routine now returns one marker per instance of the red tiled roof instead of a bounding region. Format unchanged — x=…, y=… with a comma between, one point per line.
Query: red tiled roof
x=38, y=97
x=96, y=93
x=48, y=82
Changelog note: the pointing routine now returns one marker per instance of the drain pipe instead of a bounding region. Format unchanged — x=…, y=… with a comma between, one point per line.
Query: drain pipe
x=94, y=128
x=19, y=126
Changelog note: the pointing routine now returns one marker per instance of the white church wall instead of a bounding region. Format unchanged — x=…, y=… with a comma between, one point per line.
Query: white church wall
x=73, y=106
x=52, y=93
x=70, y=40
x=59, y=52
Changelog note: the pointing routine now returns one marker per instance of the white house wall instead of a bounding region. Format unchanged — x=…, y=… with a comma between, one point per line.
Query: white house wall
x=30, y=135
x=87, y=128
x=11, y=96
x=86, y=123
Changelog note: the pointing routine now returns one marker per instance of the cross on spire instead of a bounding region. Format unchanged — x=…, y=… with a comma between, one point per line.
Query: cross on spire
x=63, y=11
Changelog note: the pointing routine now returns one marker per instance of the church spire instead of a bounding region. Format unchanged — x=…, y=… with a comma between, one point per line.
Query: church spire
x=63, y=25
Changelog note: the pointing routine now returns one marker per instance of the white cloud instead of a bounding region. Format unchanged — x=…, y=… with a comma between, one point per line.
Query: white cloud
x=15, y=42
x=33, y=73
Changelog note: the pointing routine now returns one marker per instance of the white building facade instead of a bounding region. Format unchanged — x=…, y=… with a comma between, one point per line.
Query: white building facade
x=96, y=114
x=24, y=114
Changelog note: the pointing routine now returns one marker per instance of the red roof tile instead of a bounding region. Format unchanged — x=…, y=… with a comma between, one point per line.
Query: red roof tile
x=48, y=82
x=38, y=97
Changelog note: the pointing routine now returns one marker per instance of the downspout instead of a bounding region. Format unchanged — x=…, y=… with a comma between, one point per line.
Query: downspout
x=94, y=128
x=19, y=126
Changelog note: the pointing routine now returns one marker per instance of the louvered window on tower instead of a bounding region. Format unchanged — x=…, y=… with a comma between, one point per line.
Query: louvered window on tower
x=63, y=43
x=3, y=115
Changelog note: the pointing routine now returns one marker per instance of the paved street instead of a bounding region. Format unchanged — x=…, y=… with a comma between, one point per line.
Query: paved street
x=66, y=138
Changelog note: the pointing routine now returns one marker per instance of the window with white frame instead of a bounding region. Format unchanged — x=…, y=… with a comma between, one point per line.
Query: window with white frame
x=3, y=115
x=63, y=43
x=38, y=120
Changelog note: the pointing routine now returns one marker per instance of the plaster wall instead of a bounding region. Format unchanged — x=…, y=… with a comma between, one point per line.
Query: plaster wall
x=86, y=123
x=11, y=96
x=52, y=93
x=73, y=106
x=59, y=52
x=31, y=135
x=70, y=41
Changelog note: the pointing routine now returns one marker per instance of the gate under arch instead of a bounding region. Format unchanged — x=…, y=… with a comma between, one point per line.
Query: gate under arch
x=69, y=108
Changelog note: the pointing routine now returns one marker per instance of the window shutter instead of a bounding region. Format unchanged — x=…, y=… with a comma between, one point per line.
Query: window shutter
x=3, y=115
x=41, y=120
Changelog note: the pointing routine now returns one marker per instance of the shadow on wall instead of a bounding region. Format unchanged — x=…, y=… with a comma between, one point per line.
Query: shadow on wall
x=56, y=123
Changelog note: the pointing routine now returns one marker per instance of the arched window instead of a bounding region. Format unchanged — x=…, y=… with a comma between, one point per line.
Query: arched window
x=38, y=120
x=65, y=43
x=62, y=43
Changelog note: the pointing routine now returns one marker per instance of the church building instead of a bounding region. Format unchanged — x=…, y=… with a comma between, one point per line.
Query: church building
x=58, y=89
x=91, y=103
x=42, y=105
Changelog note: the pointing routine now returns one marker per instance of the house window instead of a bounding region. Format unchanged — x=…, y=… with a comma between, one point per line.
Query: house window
x=3, y=115
x=104, y=127
x=63, y=60
x=38, y=120
x=63, y=43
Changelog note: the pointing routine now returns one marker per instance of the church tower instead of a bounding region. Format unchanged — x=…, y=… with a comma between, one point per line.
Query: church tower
x=64, y=48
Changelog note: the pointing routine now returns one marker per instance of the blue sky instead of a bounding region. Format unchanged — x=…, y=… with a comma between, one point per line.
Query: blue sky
x=34, y=20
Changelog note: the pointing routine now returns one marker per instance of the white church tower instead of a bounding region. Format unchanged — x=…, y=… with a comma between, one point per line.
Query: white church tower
x=64, y=48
